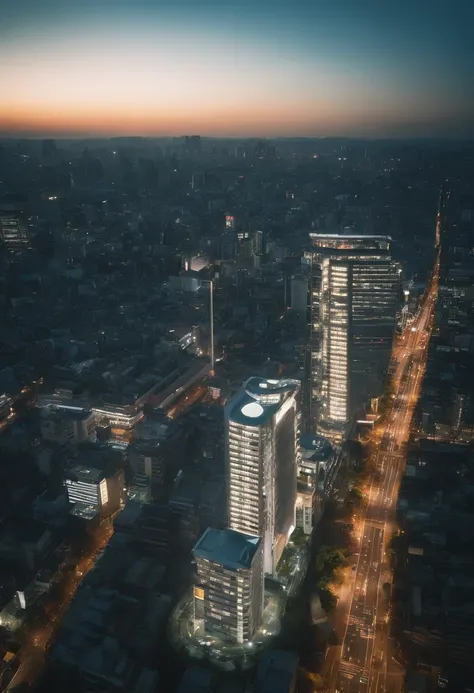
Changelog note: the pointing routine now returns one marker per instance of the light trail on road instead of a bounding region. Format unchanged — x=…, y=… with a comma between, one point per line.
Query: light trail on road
x=364, y=663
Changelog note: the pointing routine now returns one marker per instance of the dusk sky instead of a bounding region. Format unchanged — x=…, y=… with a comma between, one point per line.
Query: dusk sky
x=237, y=67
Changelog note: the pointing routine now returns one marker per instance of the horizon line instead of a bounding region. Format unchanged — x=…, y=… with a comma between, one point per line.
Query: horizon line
x=360, y=138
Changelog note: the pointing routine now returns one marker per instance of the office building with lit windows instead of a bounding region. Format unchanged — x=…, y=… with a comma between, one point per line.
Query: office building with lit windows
x=228, y=596
x=354, y=290
x=93, y=492
x=14, y=233
x=262, y=434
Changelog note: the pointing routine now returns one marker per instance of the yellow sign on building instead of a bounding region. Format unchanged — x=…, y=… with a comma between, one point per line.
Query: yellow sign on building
x=199, y=593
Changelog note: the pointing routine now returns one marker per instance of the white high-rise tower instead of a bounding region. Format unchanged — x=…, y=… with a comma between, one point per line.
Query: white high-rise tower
x=262, y=431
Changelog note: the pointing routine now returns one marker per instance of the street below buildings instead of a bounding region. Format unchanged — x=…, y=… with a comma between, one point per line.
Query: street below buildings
x=36, y=635
x=365, y=660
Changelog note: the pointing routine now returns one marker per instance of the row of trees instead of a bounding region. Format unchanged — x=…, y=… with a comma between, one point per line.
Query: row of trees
x=354, y=499
x=329, y=562
x=386, y=400
x=298, y=540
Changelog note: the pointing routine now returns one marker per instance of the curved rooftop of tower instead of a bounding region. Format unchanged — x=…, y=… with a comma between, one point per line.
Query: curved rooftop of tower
x=270, y=391
x=259, y=399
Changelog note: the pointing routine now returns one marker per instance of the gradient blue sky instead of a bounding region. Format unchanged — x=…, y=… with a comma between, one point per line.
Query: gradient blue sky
x=237, y=67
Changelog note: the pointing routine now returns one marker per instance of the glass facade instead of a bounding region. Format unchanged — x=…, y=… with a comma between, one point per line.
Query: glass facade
x=245, y=479
x=86, y=492
x=353, y=302
x=285, y=473
x=262, y=431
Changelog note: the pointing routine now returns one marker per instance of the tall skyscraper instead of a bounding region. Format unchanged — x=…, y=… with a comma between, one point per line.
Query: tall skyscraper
x=13, y=227
x=262, y=432
x=229, y=595
x=354, y=290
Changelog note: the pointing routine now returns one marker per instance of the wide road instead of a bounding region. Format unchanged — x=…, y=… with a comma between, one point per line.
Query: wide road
x=365, y=662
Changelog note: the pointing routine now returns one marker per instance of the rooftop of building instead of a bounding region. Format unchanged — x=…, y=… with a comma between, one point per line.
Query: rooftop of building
x=265, y=390
x=98, y=458
x=122, y=383
x=342, y=242
x=259, y=400
x=136, y=514
x=358, y=236
x=315, y=447
x=81, y=472
x=149, y=429
x=228, y=548
x=84, y=511
x=74, y=414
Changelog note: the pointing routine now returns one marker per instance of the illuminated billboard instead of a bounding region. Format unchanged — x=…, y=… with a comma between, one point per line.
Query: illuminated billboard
x=104, y=493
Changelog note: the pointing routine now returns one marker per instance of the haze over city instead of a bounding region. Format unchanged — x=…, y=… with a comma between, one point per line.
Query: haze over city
x=237, y=68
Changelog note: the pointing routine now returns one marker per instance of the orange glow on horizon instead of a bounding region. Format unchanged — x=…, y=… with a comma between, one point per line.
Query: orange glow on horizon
x=224, y=120
x=162, y=80
x=245, y=119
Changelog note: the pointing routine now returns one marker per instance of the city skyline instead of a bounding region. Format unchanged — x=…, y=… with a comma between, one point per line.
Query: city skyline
x=268, y=484
x=236, y=69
